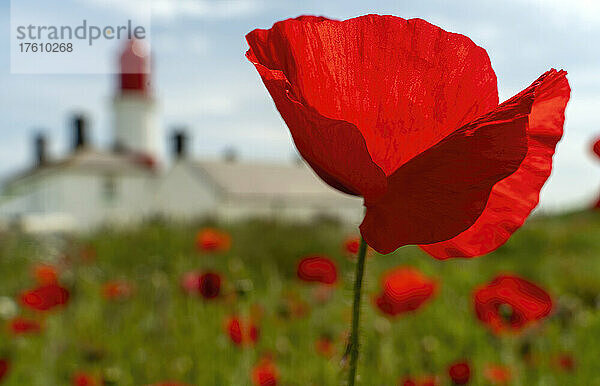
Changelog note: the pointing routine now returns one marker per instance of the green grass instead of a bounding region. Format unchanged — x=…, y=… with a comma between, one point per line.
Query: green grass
x=162, y=334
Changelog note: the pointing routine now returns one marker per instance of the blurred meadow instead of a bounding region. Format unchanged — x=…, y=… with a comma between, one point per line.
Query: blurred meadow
x=150, y=330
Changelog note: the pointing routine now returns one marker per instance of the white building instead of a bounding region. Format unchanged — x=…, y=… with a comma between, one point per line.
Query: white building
x=125, y=185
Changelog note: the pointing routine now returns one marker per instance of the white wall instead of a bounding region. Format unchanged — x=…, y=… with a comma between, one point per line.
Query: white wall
x=183, y=195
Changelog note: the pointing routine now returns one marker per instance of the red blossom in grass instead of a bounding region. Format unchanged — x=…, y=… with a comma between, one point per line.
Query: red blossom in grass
x=241, y=332
x=596, y=147
x=209, y=285
x=190, y=282
x=460, y=373
x=509, y=303
x=406, y=115
x=212, y=240
x=325, y=346
x=497, y=374
x=45, y=274
x=317, y=269
x=265, y=373
x=117, y=290
x=45, y=297
x=351, y=246
x=4, y=368
x=84, y=379
x=405, y=289
x=596, y=150
x=22, y=326
x=564, y=362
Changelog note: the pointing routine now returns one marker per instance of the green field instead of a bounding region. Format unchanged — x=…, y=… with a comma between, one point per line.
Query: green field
x=162, y=334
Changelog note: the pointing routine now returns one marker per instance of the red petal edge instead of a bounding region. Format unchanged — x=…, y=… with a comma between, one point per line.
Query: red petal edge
x=442, y=191
x=513, y=198
x=335, y=149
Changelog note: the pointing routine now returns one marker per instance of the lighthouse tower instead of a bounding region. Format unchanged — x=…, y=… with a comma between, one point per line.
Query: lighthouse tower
x=134, y=105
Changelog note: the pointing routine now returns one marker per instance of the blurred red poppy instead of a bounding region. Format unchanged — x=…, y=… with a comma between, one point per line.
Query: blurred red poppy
x=84, y=379
x=460, y=373
x=564, y=362
x=212, y=240
x=351, y=246
x=45, y=297
x=190, y=282
x=596, y=147
x=242, y=332
x=317, y=269
x=325, y=346
x=210, y=285
x=509, y=303
x=117, y=290
x=405, y=289
x=265, y=373
x=45, y=274
x=497, y=374
x=21, y=326
x=4, y=367
x=372, y=120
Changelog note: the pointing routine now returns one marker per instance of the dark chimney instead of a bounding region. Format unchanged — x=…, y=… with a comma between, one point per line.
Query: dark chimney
x=230, y=155
x=179, y=144
x=40, y=149
x=79, y=132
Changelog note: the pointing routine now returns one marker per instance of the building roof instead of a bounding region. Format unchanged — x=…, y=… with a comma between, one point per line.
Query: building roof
x=91, y=161
x=283, y=181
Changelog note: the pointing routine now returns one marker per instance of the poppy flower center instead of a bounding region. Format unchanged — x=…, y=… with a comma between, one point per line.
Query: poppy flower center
x=506, y=313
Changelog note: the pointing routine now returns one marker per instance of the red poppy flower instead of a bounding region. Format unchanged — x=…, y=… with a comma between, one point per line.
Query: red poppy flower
x=406, y=115
x=4, y=367
x=117, y=290
x=596, y=147
x=317, y=269
x=460, y=373
x=212, y=240
x=242, y=332
x=265, y=373
x=564, y=362
x=45, y=297
x=210, y=285
x=21, y=326
x=325, y=346
x=405, y=289
x=351, y=246
x=84, y=379
x=45, y=274
x=190, y=282
x=497, y=374
x=509, y=303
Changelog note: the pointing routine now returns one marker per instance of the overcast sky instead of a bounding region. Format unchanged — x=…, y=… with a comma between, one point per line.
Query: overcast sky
x=204, y=82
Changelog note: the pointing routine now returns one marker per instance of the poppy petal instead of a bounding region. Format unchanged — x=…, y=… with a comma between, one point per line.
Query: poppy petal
x=334, y=149
x=513, y=198
x=442, y=191
x=390, y=87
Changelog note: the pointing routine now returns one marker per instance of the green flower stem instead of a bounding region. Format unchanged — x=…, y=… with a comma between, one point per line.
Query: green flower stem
x=353, y=345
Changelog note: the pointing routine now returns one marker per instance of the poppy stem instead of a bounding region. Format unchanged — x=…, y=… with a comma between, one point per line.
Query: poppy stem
x=353, y=345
